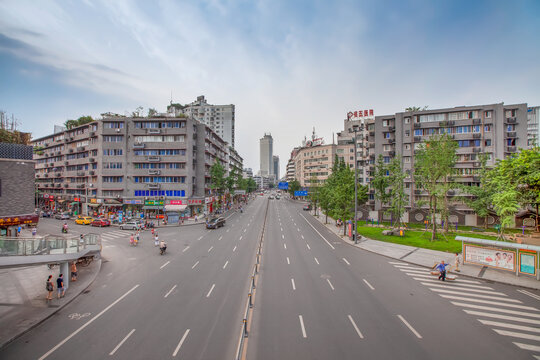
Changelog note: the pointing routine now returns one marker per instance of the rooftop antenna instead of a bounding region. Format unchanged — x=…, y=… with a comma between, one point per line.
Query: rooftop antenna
x=171, y=97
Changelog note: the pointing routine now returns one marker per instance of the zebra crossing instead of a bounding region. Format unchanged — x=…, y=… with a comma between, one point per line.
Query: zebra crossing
x=112, y=235
x=504, y=315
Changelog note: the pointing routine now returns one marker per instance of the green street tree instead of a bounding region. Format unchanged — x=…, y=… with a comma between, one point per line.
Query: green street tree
x=434, y=164
x=381, y=181
x=314, y=192
x=217, y=178
x=294, y=186
x=397, y=199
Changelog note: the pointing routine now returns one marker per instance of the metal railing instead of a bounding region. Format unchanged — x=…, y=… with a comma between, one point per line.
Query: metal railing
x=46, y=245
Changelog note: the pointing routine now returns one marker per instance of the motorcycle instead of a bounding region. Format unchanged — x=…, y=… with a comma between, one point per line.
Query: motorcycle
x=162, y=250
x=64, y=230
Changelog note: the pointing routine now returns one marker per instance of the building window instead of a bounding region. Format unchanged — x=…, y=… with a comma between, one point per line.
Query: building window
x=386, y=148
x=113, y=138
x=407, y=133
x=407, y=120
x=407, y=146
x=487, y=114
x=385, y=123
x=407, y=159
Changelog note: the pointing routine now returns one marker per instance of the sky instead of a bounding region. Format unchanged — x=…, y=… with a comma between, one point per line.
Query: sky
x=288, y=65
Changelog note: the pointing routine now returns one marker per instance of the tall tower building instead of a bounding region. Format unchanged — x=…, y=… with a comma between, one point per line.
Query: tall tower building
x=220, y=118
x=266, y=153
x=275, y=165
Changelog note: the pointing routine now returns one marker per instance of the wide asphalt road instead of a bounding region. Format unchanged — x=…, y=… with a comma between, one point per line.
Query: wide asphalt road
x=320, y=298
x=317, y=298
x=185, y=304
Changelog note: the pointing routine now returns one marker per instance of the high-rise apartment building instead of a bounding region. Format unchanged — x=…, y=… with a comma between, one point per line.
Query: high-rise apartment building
x=220, y=118
x=131, y=163
x=266, y=154
x=275, y=166
x=533, y=126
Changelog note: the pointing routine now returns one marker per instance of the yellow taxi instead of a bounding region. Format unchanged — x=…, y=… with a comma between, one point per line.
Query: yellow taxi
x=84, y=220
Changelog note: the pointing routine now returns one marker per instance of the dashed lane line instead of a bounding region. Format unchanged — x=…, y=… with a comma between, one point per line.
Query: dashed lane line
x=346, y=262
x=288, y=261
x=162, y=266
x=185, y=249
x=180, y=343
x=193, y=267
x=211, y=289
x=317, y=261
x=355, y=327
x=121, y=342
x=234, y=249
x=317, y=231
x=368, y=284
x=211, y=247
x=293, y=284
x=409, y=326
x=224, y=266
x=170, y=291
x=329, y=283
x=302, y=326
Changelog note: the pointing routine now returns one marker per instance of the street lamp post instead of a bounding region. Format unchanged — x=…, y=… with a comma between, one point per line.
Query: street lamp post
x=355, y=130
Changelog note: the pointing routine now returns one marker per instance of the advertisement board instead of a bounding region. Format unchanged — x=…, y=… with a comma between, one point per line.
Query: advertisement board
x=527, y=263
x=495, y=258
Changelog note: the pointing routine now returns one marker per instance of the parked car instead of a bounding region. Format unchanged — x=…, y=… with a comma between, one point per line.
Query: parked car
x=130, y=225
x=63, y=216
x=46, y=214
x=84, y=220
x=215, y=223
x=307, y=207
x=101, y=222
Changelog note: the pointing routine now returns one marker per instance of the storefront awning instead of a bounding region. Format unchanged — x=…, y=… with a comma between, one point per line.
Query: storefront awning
x=175, y=207
x=94, y=205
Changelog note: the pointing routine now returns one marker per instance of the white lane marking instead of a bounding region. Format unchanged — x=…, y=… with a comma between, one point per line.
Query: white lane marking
x=197, y=263
x=221, y=237
x=308, y=246
x=432, y=277
x=109, y=274
x=240, y=238
x=409, y=326
x=281, y=229
x=302, y=326
x=506, y=311
x=86, y=324
x=224, y=266
x=211, y=247
x=227, y=230
x=293, y=284
x=282, y=236
x=332, y=246
x=510, y=326
x=346, y=262
x=368, y=284
x=458, y=283
x=288, y=261
x=518, y=335
x=457, y=287
x=285, y=246
x=170, y=291
x=302, y=236
x=122, y=342
x=488, y=302
x=329, y=283
x=180, y=343
x=162, y=266
x=245, y=230
x=212, y=288
x=474, y=295
x=200, y=237
x=502, y=317
x=317, y=261
x=355, y=327
x=298, y=229
x=529, y=294
x=234, y=249
x=527, y=347
x=185, y=249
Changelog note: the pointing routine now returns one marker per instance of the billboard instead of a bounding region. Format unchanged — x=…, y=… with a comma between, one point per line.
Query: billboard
x=496, y=258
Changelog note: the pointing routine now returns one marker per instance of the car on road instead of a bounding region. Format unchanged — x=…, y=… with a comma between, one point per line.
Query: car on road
x=307, y=207
x=215, y=223
x=131, y=225
x=271, y=197
x=63, y=216
x=46, y=214
x=278, y=197
x=84, y=220
x=101, y=222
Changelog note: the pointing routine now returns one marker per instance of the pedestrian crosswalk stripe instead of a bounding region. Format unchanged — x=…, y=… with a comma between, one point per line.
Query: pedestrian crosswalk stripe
x=517, y=334
x=488, y=302
x=475, y=295
x=506, y=311
x=529, y=294
x=502, y=317
x=528, y=346
x=397, y=263
x=427, y=275
x=410, y=267
x=510, y=326
x=430, y=279
x=456, y=287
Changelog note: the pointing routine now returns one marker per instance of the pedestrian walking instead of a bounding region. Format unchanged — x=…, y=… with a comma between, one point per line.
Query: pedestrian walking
x=131, y=240
x=156, y=239
x=441, y=267
x=138, y=237
x=49, y=287
x=34, y=231
x=457, y=262
x=60, y=286
x=73, y=271
x=81, y=239
x=195, y=218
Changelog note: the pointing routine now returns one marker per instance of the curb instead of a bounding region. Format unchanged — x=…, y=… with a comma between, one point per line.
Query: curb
x=41, y=321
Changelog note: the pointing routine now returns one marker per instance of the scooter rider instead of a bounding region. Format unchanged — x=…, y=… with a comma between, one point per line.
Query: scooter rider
x=65, y=228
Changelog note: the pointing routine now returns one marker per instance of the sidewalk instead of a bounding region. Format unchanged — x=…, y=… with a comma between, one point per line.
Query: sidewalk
x=22, y=297
x=427, y=258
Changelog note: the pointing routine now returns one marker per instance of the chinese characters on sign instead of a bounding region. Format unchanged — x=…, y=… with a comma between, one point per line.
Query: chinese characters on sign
x=500, y=259
x=359, y=114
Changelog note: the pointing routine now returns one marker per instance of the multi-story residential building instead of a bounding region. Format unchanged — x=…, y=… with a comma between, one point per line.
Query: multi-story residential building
x=266, y=153
x=235, y=161
x=220, y=118
x=129, y=163
x=247, y=173
x=17, y=188
x=496, y=130
x=533, y=126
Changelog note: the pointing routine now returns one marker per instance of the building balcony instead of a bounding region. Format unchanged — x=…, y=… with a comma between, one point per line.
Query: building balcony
x=138, y=145
x=477, y=136
x=477, y=121
x=154, y=172
x=417, y=125
x=511, y=120
x=154, y=185
x=153, y=158
x=510, y=149
x=511, y=134
x=417, y=138
x=153, y=131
